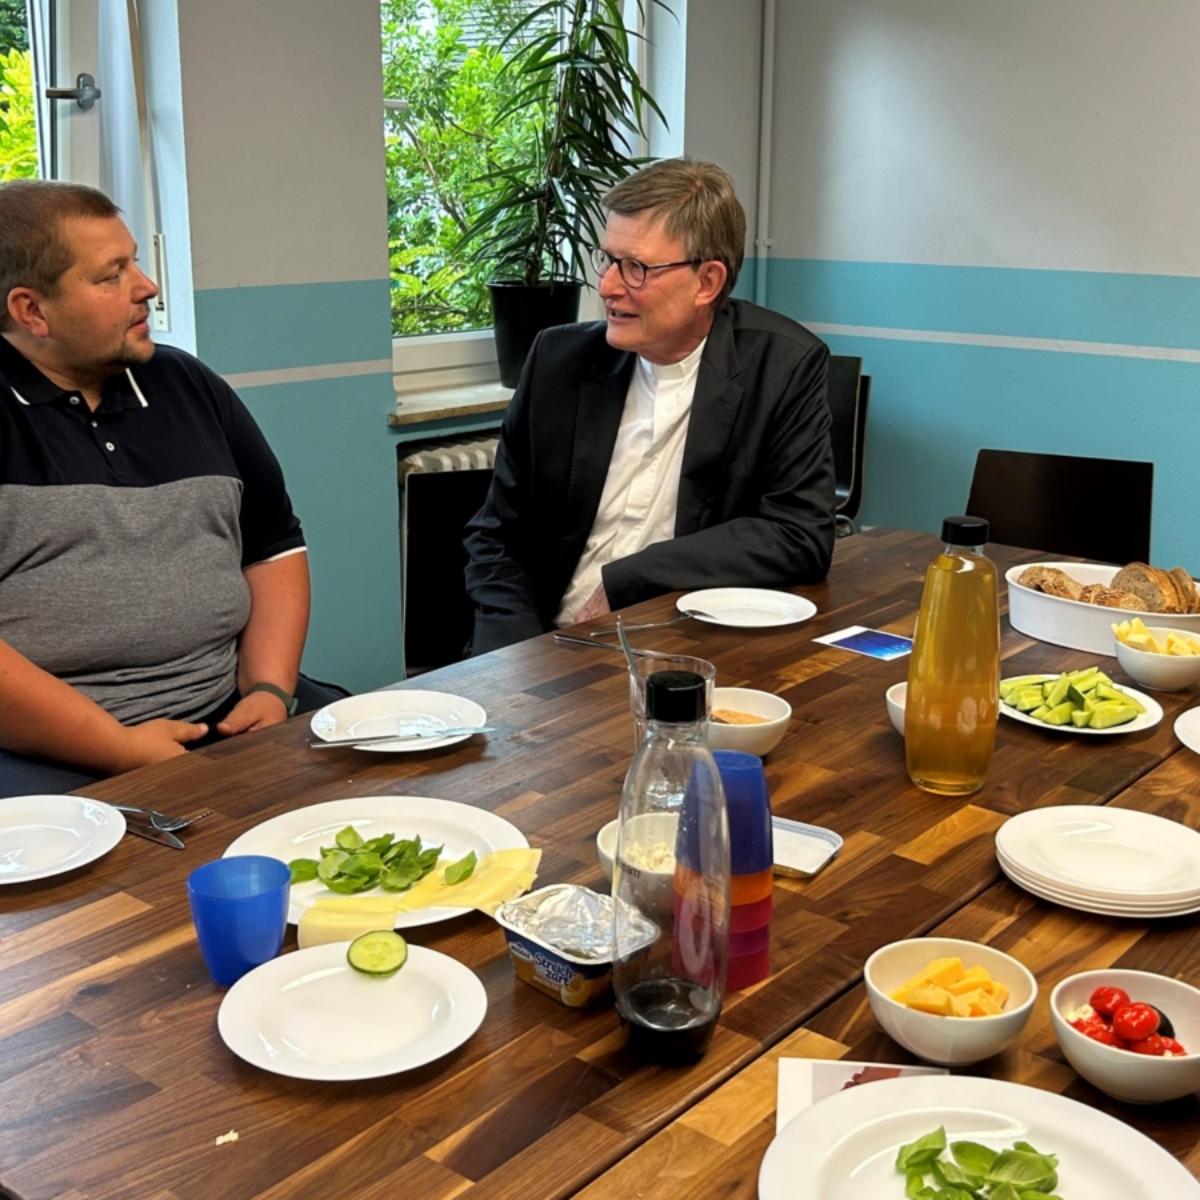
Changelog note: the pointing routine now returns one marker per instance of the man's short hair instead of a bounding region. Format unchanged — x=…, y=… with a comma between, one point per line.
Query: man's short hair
x=697, y=202
x=33, y=252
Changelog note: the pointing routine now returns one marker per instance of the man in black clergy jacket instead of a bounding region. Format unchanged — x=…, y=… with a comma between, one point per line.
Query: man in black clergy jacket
x=682, y=443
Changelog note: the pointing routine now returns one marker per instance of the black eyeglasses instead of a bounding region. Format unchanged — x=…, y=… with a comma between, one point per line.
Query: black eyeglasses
x=634, y=273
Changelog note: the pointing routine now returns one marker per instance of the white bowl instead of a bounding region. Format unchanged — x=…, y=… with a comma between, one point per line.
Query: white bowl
x=897, y=697
x=658, y=827
x=1160, y=672
x=1071, y=623
x=947, y=1041
x=1136, y=1078
x=757, y=739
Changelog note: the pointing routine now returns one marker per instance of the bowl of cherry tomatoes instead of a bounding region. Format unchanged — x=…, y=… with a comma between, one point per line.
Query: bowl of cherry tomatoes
x=1132, y=1034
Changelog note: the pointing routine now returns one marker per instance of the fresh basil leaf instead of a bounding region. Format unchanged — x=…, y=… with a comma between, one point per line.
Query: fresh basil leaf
x=915, y=1156
x=379, y=845
x=349, y=884
x=402, y=850
x=331, y=864
x=914, y=1184
x=951, y=1175
x=303, y=869
x=349, y=839
x=428, y=858
x=1038, y=1196
x=972, y=1157
x=399, y=879
x=1034, y=1172
x=463, y=869
x=363, y=863
x=1004, y=1191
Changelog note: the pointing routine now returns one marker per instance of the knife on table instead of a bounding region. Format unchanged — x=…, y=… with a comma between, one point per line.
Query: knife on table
x=155, y=835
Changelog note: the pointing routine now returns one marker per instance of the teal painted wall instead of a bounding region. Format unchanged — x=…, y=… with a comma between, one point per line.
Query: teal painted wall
x=331, y=438
x=934, y=405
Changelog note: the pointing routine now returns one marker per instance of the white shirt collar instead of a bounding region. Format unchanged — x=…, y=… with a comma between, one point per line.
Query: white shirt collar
x=673, y=372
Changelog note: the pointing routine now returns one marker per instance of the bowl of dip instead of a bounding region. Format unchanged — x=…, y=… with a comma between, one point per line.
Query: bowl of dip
x=655, y=849
x=748, y=720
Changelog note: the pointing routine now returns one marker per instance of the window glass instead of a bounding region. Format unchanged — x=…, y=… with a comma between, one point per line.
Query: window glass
x=18, y=125
x=444, y=88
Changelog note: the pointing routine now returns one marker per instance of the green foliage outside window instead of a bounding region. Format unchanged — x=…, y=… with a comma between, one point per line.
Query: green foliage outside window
x=13, y=33
x=444, y=59
x=18, y=133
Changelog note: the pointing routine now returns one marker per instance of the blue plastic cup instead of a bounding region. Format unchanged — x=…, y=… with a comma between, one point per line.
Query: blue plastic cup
x=749, y=806
x=240, y=909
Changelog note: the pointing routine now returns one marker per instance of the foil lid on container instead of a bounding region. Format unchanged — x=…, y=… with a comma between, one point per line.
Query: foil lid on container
x=572, y=920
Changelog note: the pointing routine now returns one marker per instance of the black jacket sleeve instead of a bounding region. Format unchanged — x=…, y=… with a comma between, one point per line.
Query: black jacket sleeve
x=498, y=583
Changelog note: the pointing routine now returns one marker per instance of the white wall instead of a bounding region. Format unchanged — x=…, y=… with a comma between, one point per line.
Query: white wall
x=1028, y=133
x=994, y=204
x=284, y=123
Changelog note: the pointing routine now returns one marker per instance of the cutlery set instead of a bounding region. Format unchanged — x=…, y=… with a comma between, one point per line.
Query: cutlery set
x=158, y=827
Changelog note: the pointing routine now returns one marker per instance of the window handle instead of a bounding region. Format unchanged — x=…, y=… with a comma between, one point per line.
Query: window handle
x=85, y=93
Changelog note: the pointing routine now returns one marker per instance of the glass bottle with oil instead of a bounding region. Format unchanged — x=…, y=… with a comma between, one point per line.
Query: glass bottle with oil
x=954, y=677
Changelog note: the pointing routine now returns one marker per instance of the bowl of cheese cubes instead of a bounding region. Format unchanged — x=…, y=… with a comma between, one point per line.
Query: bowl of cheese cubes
x=949, y=1001
x=1161, y=659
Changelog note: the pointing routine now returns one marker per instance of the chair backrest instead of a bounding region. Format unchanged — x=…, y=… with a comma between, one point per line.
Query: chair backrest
x=1096, y=508
x=849, y=392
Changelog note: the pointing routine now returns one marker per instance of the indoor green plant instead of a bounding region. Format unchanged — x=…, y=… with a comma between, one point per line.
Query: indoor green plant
x=543, y=212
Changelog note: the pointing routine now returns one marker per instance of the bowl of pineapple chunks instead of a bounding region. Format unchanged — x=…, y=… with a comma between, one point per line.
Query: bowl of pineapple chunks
x=949, y=1001
x=1164, y=660
x=1084, y=701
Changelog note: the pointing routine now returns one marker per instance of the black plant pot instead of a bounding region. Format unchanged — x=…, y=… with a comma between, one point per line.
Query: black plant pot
x=520, y=312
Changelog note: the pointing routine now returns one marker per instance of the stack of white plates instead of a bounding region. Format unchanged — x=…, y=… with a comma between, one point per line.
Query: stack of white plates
x=1112, y=861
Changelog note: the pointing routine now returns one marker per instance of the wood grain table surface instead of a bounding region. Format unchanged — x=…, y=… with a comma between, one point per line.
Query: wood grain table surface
x=115, y=1084
x=716, y=1147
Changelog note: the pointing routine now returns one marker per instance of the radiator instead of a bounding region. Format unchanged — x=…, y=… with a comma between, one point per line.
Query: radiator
x=441, y=487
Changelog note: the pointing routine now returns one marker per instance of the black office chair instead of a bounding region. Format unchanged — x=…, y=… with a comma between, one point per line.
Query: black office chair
x=849, y=392
x=438, y=614
x=1096, y=508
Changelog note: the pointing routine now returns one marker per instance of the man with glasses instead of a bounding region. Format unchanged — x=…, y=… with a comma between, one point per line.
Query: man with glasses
x=682, y=443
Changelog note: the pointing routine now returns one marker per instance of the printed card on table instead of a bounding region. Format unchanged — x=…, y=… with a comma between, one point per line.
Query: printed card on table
x=874, y=643
x=805, y=1081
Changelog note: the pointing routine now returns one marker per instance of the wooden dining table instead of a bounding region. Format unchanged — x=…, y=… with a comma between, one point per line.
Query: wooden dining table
x=115, y=1084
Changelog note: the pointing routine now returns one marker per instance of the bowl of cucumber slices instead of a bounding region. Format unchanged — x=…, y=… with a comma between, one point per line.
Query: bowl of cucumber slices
x=1085, y=701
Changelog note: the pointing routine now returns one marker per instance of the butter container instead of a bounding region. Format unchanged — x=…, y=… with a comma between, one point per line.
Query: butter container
x=560, y=941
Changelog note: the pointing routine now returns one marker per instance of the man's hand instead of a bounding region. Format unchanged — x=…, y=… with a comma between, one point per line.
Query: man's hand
x=256, y=711
x=596, y=606
x=155, y=741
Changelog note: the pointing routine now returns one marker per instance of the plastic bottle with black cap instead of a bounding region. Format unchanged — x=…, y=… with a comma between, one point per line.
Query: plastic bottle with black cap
x=671, y=868
x=952, y=700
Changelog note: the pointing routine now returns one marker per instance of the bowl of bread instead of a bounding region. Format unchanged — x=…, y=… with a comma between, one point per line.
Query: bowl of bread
x=1074, y=604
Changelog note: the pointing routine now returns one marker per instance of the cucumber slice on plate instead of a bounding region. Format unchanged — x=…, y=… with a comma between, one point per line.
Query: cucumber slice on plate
x=382, y=952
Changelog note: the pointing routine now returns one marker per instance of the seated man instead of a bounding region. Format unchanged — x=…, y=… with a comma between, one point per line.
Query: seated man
x=153, y=578
x=682, y=444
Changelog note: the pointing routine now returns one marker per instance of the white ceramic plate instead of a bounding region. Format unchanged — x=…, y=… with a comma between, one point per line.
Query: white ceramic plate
x=1187, y=729
x=460, y=828
x=1144, y=720
x=1134, y=904
x=42, y=836
x=748, y=608
x=401, y=711
x=310, y=1015
x=1110, y=908
x=844, y=1147
x=1113, y=853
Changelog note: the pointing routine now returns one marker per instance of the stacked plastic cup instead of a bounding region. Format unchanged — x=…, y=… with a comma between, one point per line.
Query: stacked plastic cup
x=751, y=857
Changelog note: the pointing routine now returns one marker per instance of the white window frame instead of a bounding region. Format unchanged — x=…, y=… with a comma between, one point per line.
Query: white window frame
x=65, y=40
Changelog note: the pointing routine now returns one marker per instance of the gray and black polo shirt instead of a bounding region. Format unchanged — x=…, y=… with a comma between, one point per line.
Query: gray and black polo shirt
x=124, y=532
